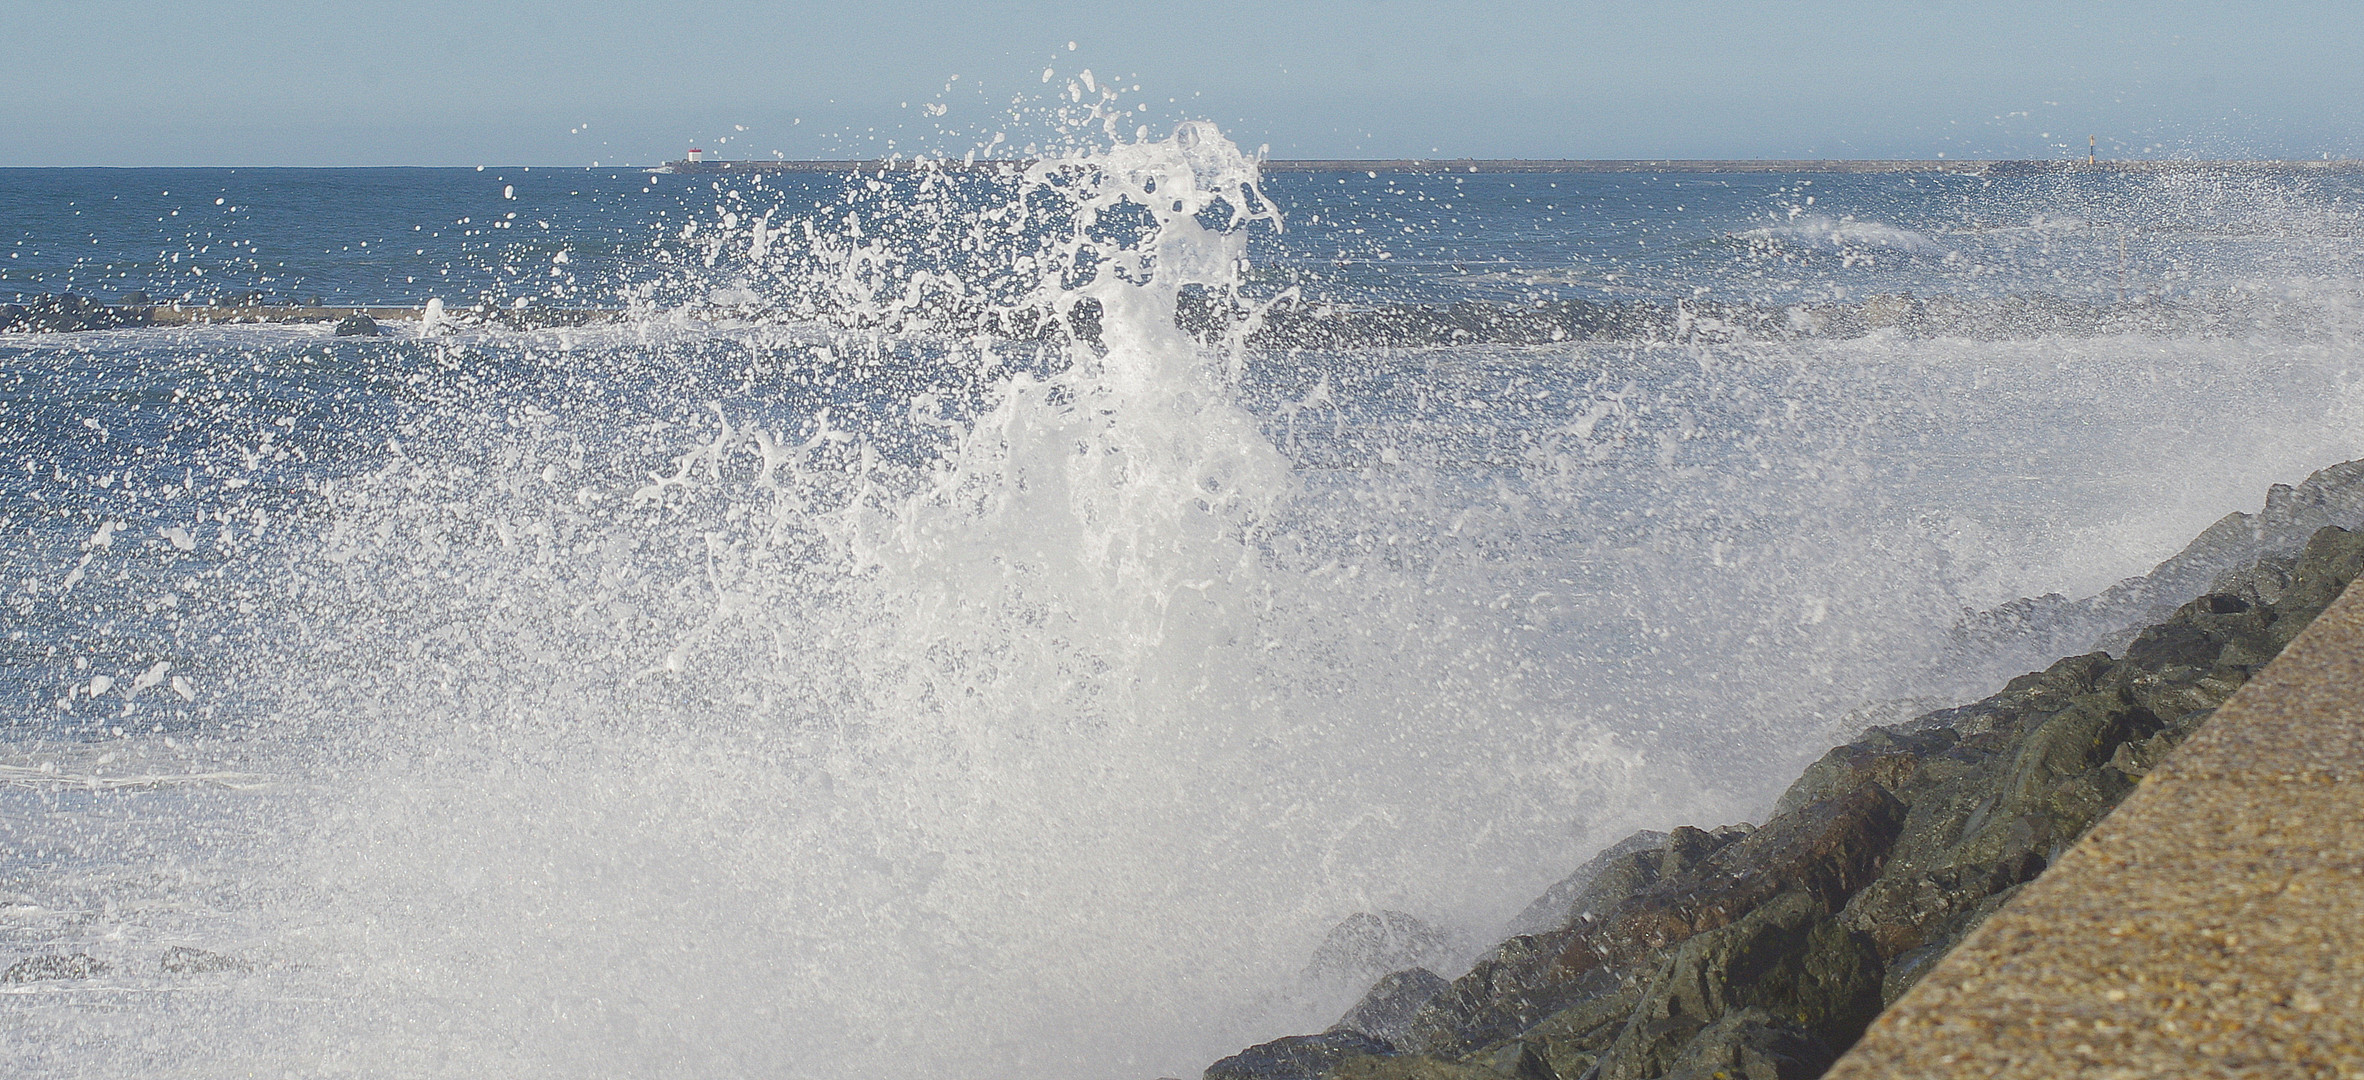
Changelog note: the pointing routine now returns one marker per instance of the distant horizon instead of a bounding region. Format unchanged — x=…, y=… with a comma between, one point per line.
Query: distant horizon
x=2061, y=160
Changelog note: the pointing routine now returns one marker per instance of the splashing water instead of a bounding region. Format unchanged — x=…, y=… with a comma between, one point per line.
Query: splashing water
x=979, y=675
x=982, y=744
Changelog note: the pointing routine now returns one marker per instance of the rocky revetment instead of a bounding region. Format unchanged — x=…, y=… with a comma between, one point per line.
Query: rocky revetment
x=1763, y=952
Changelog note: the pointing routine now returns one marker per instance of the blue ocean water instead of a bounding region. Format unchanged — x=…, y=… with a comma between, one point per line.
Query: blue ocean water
x=842, y=662
x=400, y=236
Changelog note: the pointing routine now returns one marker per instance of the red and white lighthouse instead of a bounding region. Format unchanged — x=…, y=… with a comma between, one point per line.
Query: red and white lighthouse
x=696, y=155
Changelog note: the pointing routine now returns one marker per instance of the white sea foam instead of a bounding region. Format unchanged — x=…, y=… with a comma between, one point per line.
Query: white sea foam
x=1838, y=234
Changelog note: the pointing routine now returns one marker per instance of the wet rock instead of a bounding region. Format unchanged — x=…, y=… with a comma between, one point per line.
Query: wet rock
x=66, y=313
x=185, y=960
x=1563, y=902
x=134, y=298
x=358, y=324
x=1506, y=992
x=1891, y=760
x=1573, y=1039
x=1385, y=1013
x=44, y=968
x=1521, y=1059
x=1364, y=946
x=1827, y=849
x=1939, y=937
x=1750, y=1044
x=1374, y=1067
x=1789, y=958
x=1297, y=1057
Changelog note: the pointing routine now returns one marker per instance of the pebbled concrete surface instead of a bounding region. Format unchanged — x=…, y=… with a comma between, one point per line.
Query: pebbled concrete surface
x=2213, y=926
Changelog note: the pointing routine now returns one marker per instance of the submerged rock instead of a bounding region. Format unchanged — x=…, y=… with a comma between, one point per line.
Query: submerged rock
x=358, y=325
x=66, y=312
x=1763, y=953
x=184, y=960
x=1364, y=945
x=45, y=968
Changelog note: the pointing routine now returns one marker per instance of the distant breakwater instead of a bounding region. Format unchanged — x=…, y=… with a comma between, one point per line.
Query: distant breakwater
x=72, y=313
x=1313, y=326
x=1764, y=951
x=1998, y=168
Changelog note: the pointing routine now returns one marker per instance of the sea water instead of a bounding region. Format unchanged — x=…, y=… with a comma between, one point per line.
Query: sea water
x=895, y=645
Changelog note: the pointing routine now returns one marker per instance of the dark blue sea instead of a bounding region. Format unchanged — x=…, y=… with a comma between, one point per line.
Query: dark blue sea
x=994, y=623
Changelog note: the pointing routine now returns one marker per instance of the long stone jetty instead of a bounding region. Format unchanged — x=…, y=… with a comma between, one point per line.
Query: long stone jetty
x=66, y=313
x=2057, y=166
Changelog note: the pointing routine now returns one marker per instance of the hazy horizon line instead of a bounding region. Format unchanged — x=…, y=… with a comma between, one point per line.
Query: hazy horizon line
x=1286, y=163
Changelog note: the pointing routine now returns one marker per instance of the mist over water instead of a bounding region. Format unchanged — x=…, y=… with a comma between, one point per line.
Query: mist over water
x=853, y=667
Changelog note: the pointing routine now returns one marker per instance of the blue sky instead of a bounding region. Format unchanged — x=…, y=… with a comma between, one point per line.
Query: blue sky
x=441, y=82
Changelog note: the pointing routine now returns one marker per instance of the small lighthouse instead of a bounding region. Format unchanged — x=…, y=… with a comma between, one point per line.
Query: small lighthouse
x=696, y=155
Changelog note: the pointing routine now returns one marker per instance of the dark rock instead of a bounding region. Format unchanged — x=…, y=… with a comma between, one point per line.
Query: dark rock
x=1506, y=992
x=1937, y=939
x=358, y=325
x=1559, y=905
x=1750, y=1044
x=1891, y=760
x=1297, y=1057
x=1573, y=1039
x=1788, y=957
x=44, y=968
x=65, y=313
x=184, y=960
x=1828, y=849
x=134, y=298
x=1385, y=1012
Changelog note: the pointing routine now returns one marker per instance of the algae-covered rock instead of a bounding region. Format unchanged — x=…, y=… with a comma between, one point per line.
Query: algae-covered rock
x=1572, y=1040
x=1748, y=1044
x=1297, y=1057
x=1507, y=992
x=1378, y=1067
x=1789, y=959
